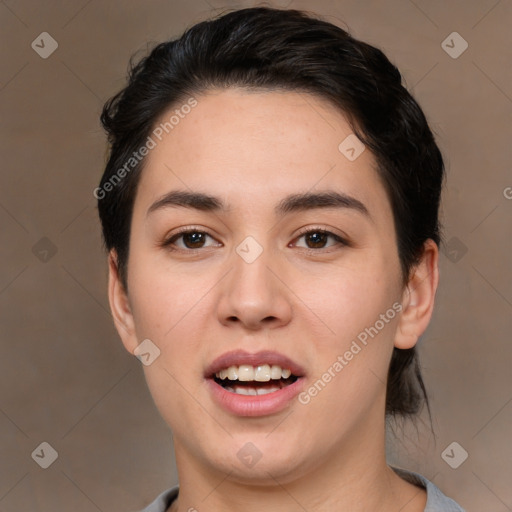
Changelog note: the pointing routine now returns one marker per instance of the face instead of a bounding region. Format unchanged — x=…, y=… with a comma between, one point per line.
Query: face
x=275, y=302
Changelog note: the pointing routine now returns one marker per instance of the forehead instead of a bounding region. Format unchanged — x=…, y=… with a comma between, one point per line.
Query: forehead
x=253, y=148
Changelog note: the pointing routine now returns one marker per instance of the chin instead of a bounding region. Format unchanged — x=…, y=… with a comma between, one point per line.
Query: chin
x=265, y=474
x=259, y=462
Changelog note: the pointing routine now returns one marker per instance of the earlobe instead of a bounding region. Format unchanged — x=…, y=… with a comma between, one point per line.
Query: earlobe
x=418, y=298
x=120, y=306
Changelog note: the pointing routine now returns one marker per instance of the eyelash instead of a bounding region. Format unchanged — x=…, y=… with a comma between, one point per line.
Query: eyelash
x=169, y=242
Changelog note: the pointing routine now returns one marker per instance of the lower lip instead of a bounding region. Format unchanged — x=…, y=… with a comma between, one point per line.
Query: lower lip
x=254, y=405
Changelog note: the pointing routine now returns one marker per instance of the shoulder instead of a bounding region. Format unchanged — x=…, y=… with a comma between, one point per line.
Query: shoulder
x=162, y=501
x=436, y=500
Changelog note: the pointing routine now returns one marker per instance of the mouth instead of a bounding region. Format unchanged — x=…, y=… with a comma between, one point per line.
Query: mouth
x=258, y=384
x=254, y=380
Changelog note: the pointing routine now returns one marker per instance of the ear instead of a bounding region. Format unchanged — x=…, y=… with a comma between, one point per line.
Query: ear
x=418, y=298
x=120, y=305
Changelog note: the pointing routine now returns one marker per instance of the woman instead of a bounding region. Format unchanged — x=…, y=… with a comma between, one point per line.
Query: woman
x=270, y=209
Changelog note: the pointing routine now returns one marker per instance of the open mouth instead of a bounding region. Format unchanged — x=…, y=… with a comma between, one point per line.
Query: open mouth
x=254, y=380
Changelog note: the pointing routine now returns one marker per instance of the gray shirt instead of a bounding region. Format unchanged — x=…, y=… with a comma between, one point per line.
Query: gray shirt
x=436, y=500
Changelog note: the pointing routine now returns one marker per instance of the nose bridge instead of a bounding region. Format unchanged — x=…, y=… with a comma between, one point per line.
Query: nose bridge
x=253, y=294
x=251, y=276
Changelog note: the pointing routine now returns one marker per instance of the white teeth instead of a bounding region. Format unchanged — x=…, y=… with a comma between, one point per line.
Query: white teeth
x=266, y=391
x=262, y=373
x=245, y=373
x=241, y=390
x=275, y=372
x=248, y=373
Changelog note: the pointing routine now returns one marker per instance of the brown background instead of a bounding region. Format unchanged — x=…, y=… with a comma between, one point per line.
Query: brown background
x=65, y=378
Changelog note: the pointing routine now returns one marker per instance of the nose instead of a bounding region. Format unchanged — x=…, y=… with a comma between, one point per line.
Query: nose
x=255, y=294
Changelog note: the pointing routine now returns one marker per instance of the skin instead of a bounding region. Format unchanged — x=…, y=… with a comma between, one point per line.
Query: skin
x=251, y=149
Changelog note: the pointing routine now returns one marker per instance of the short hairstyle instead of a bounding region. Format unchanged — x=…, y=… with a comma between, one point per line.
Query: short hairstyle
x=286, y=50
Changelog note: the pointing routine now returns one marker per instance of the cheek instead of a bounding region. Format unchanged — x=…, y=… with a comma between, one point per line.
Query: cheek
x=353, y=342
x=347, y=298
x=164, y=299
x=349, y=377
x=171, y=392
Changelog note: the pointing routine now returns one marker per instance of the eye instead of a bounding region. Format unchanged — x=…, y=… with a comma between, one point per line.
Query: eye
x=188, y=239
x=318, y=238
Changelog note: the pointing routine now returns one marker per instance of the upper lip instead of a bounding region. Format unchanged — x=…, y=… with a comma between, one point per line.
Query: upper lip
x=240, y=357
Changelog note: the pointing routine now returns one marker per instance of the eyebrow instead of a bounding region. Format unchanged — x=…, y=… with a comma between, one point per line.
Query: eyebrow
x=292, y=203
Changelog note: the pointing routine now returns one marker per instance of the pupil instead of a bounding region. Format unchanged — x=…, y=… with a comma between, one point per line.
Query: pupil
x=317, y=238
x=193, y=238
